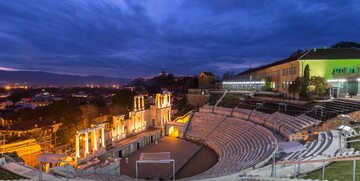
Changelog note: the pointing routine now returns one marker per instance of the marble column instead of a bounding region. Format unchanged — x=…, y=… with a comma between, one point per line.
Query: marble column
x=143, y=103
x=95, y=140
x=139, y=103
x=134, y=122
x=103, y=137
x=169, y=115
x=169, y=101
x=77, y=146
x=118, y=130
x=86, y=143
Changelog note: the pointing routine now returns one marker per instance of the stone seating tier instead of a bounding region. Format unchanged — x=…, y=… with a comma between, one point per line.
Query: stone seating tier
x=240, y=144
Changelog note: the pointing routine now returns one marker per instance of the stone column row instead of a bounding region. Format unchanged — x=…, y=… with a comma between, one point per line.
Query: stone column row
x=86, y=139
x=103, y=137
x=118, y=130
x=139, y=103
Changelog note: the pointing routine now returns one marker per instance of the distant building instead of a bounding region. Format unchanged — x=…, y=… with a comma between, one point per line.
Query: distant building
x=4, y=103
x=28, y=126
x=4, y=95
x=80, y=94
x=130, y=88
x=206, y=80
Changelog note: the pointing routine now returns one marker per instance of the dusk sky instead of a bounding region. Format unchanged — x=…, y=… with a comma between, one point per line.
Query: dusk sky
x=136, y=38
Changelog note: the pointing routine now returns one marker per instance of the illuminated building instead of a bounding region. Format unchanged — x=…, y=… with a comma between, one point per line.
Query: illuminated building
x=339, y=66
x=112, y=131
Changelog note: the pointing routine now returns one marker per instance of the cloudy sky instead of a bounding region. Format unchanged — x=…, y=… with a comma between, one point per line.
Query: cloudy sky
x=130, y=38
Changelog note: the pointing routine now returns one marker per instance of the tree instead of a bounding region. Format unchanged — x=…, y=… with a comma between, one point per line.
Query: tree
x=88, y=113
x=295, y=87
x=124, y=99
x=191, y=84
x=18, y=94
x=268, y=85
x=301, y=84
x=117, y=109
x=228, y=75
x=346, y=44
x=296, y=53
x=304, y=90
x=318, y=86
x=100, y=101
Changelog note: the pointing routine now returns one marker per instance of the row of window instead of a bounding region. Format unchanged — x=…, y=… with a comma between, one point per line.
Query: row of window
x=285, y=72
x=349, y=70
x=289, y=71
x=285, y=85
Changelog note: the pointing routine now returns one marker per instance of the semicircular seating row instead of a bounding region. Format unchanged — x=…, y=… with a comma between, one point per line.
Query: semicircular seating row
x=240, y=144
x=325, y=147
x=284, y=124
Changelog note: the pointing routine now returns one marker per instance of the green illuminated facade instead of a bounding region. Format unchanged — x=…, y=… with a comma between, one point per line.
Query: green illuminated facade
x=341, y=67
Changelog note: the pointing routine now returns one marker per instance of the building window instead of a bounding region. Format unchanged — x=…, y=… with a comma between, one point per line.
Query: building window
x=352, y=70
x=294, y=70
x=291, y=71
x=338, y=70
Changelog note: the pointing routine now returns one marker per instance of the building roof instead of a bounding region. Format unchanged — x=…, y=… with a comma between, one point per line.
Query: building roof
x=313, y=54
x=29, y=124
x=332, y=53
x=286, y=60
x=208, y=73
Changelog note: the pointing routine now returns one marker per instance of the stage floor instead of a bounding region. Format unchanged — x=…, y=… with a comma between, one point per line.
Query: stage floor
x=180, y=150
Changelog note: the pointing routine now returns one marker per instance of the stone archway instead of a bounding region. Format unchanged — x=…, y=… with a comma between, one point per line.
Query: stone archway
x=173, y=132
x=174, y=129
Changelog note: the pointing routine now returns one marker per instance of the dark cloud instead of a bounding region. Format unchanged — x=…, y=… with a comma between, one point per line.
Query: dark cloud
x=136, y=38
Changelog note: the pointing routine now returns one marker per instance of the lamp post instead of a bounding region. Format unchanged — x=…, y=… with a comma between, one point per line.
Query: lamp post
x=273, y=167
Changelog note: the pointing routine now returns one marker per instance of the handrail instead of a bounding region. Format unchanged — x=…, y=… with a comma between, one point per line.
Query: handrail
x=183, y=116
x=318, y=161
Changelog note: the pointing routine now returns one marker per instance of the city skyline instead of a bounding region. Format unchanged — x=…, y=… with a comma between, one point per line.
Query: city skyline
x=137, y=38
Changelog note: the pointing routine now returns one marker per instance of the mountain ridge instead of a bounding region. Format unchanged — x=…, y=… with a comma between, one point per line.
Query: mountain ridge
x=47, y=78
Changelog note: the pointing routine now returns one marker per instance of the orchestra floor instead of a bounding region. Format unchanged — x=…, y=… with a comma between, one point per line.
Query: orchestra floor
x=180, y=150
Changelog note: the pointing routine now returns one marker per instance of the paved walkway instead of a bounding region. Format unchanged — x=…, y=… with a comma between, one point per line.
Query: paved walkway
x=181, y=151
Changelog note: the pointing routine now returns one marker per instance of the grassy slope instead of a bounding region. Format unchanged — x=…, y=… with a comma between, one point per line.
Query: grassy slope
x=229, y=100
x=213, y=98
x=339, y=170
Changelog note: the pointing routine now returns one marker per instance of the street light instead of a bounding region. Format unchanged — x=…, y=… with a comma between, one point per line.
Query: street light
x=273, y=168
